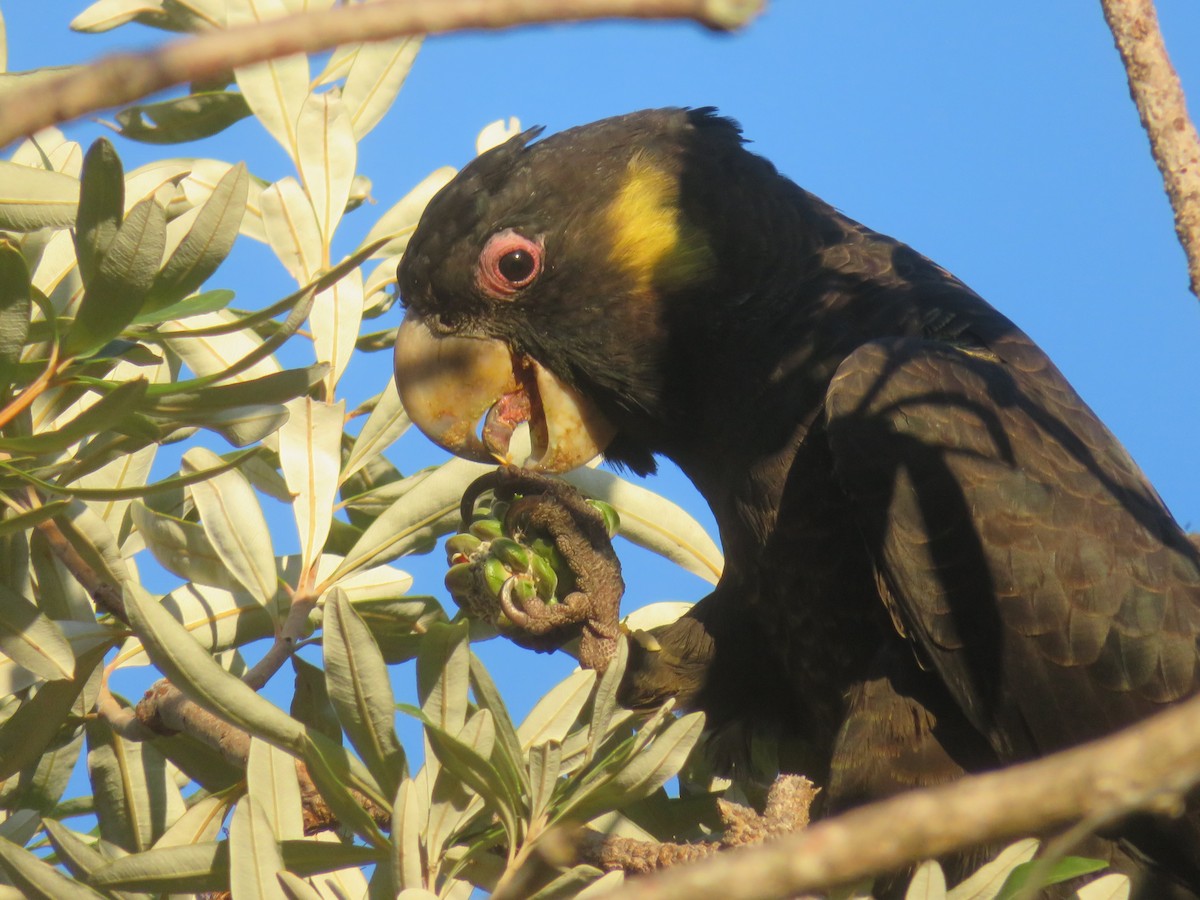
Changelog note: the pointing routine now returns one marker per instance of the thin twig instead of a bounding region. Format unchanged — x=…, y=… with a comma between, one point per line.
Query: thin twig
x=1156, y=90
x=1150, y=766
x=125, y=77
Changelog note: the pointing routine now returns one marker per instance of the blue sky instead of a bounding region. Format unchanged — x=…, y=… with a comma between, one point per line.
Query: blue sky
x=998, y=139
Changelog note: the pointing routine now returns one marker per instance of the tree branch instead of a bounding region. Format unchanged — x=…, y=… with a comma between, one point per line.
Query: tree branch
x=1150, y=766
x=124, y=77
x=1155, y=88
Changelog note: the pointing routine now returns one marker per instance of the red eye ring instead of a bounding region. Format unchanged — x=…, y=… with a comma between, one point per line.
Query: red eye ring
x=508, y=263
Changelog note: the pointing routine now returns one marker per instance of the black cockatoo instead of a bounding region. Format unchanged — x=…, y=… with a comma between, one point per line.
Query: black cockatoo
x=938, y=559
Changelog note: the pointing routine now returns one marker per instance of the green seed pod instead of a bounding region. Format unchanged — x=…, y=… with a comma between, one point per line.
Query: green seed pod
x=523, y=589
x=494, y=575
x=462, y=544
x=487, y=529
x=612, y=521
x=500, y=510
x=512, y=554
x=544, y=577
x=460, y=581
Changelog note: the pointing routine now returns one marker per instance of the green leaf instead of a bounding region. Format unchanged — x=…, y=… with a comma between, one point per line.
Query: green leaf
x=443, y=676
x=121, y=282
x=408, y=826
x=383, y=427
x=101, y=207
x=545, y=763
x=297, y=888
x=1062, y=870
x=190, y=668
x=191, y=868
x=361, y=691
x=38, y=880
x=552, y=716
x=33, y=198
x=272, y=782
x=254, y=858
x=209, y=301
x=312, y=857
x=234, y=523
x=335, y=773
x=605, y=703
x=31, y=639
x=466, y=756
x=424, y=512
x=100, y=416
x=207, y=242
x=985, y=883
x=25, y=735
x=189, y=118
x=508, y=753
x=78, y=855
x=310, y=456
x=15, y=308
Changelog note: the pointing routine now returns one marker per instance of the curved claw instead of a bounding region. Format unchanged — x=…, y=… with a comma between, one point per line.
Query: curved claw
x=447, y=384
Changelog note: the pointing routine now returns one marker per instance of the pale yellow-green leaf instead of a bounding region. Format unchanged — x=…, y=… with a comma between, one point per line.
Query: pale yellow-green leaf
x=342, y=884
x=399, y=222
x=181, y=547
x=416, y=894
x=310, y=455
x=108, y=14
x=653, y=615
x=291, y=228
x=37, y=879
x=552, y=716
x=81, y=637
x=1107, y=887
x=57, y=274
x=32, y=639
x=408, y=820
x=212, y=11
x=274, y=90
x=95, y=542
x=32, y=198
x=234, y=522
x=384, y=425
x=254, y=857
x=986, y=882
x=654, y=522
x=374, y=80
x=605, y=886
x=135, y=783
x=298, y=6
x=193, y=670
x=496, y=133
x=545, y=763
x=271, y=780
x=205, y=174
x=928, y=883
x=127, y=470
x=296, y=888
x=244, y=425
x=201, y=824
x=327, y=155
x=335, y=319
x=212, y=354
x=145, y=181
x=64, y=155
x=382, y=277
x=360, y=689
x=424, y=511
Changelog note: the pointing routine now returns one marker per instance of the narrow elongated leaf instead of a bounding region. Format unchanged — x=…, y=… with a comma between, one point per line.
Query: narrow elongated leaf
x=335, y=320
x=416, y=519
x=201, y=824
x=18, y=523
x=985, y=883
x=101, y=206
x=79, y=856
x=135, y=793
x=38, y=880
x=181, y=547
x=190, y=868
x=292, y=228
x=928, y=883
x=327, y=154
x=552, y=716
x=605, y=703
x=1107, y=887
x=33, y=640
x=275, y=90
x=296, y=888
x=408, y=821
x=81, y=636
x=466, y=757
x=234, y=523
x=335, y=772
x=33, y=198
x=98, y=417
x=272, y=782
x=106, y=15
x=383, y=427
x=508, y=754
x=361, y=691
x=375, y=79
x=209, y=301
x=254, y=858
x=653, y=522
x=15, y=308
x=443, y=676
x=545, y=763
x=310, y=456
x=122, y=279
x=206, y=243
x=397, y=224
x=27, y=732
x=197, y=674
x=189, y=118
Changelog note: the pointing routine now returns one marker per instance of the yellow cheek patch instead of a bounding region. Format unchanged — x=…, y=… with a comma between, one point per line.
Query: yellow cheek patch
x=651, y=241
